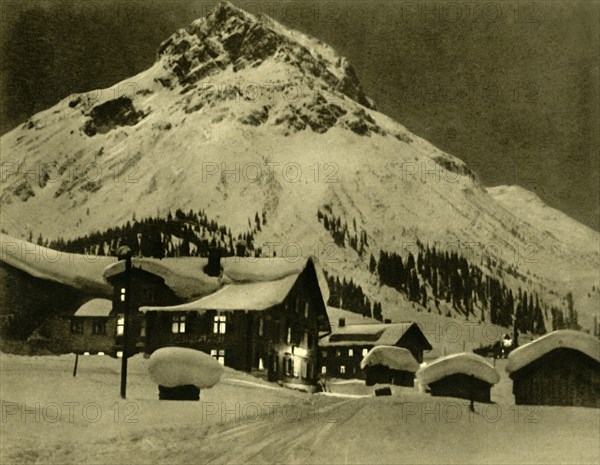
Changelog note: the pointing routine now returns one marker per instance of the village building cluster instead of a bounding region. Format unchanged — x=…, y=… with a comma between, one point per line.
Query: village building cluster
x=269, y=317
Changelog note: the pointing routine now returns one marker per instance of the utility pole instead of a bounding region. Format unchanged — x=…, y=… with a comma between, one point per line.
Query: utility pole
x=124, y=253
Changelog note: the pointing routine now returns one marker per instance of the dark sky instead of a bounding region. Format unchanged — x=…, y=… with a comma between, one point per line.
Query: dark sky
x=509, y=87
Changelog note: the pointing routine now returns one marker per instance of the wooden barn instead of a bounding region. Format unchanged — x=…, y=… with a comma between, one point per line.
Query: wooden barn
x=265, y=318
x=464, y=375
x=343, y=350
x=560, y=368
x=389, y=365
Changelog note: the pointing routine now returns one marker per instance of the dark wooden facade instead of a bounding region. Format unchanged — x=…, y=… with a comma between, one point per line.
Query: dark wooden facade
x=279, y=343
x=343, y=360
x=381, y=374
x=462, y=386
x=144, y=288
x=560, y=377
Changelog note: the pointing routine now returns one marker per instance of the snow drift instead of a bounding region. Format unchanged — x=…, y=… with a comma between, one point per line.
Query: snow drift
x=178, y=366
x=463, y=363
x=395, y=358
x=562, y=339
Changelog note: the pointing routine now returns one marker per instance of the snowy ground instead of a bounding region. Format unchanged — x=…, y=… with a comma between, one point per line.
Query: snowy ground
x=50, y=417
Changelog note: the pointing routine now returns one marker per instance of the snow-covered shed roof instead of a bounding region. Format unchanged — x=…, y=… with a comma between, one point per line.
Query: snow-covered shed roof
x=387, y=334
x=395, y=358
x=466, y=363
x=562, y=339
x=237, y=296
x=95, y=307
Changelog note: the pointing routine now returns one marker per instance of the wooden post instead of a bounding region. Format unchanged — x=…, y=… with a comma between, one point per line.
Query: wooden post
x=126, y=325
x=75, y=365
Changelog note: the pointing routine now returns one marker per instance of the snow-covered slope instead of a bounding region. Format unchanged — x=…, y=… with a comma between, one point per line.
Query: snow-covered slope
x=239, y=115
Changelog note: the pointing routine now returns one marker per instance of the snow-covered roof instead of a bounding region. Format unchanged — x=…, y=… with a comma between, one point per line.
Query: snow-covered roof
x=396, y=358
x=387, y=334
x=237, y=296
x=78, y=271
x=350, y=318
x=184, y=275
x=466, y=363
x=95, y=307
x=562, y=339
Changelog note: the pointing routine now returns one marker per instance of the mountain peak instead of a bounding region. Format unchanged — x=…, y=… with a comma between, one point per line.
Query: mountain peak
x=229, y=37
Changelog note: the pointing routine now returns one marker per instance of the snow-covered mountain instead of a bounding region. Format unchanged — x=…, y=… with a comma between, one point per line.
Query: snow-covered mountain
x=241, y=115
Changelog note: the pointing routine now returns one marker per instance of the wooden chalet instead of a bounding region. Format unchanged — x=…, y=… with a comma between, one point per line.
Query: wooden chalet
x=267, y=323
x=343, y=350
x=560, y=368
x=464, y=375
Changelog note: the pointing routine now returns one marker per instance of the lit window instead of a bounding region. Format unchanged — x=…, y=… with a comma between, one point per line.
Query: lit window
x=100, y=353
x=323, y=370
x=120, y=326
x=219, y=355
x=99, y=327
x=338, y=353
x=219, y=324
x=119, y=354
x=296, y=367
x=365, y=351
x=350, y=352
x=122, y=294
x=289, y=335
x=178, y=324
x=76, y=326
x=306, y=310
x=261, y=326
x=324, y=353
x=342, y=369
x=261, y=366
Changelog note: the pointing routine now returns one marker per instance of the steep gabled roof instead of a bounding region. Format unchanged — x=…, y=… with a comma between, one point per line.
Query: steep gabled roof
x=250, y=296
x=466, y=363
x=95, y=308
x=387, y=334
x=562, y=339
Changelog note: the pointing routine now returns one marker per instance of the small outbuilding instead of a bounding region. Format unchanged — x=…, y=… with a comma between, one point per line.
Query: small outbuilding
x=560, y=368
x=464, y=375
x=389, y=365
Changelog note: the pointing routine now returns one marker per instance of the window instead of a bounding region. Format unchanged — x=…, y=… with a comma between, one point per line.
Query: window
x=365, y=351
x=122, y=294
x=323, y=370
x=99, y=327
x=120, y=326
x=342, y=369
x=306, y=310
x=261, y=365
x=289, y=335
x=76, y=326
x=338, y=353
x=289, y=367
x=350, y=352
x=178, y=324
x=324, y=353
x=219, y=355
x=143, y=328
x=261, y=327
x=219, y=324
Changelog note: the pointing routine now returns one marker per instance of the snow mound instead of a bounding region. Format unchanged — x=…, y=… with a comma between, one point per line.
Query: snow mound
x=462, y=363
x=395, y=358
x=562, y=339
x=178, y=366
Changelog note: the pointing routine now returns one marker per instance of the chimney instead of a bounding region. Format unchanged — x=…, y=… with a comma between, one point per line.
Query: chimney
x=213, y=267
x=342, y=322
